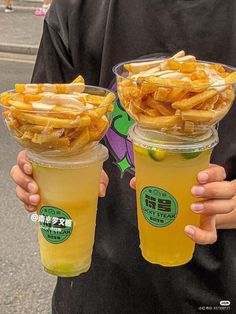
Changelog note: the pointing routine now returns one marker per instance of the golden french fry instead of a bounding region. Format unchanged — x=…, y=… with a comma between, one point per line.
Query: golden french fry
x=72, y=133
x=176, y=94
x=78, y=79
x=33, y=97
x=148, y=88
x=191, y=102
x=131, y=92
x=137, y=67
x=53, y=88
x=221, y=103
x=45, y=138
x=167, y=82
x=103, y=108
x=81, y=140
x=20, y=105
x=189, y=127
x=92, y=114
x=98, y=129
x=152, y=112
x=198, y=86
x=165, y=109
x=231, y=78
x=65, y=112
x=94, y=99
x=12, y=123
x=51, y=122
x=198, y=115
x=161, y=94
x=188, y=67
x=208, y=104
x=110, y=108
x=228, y=94
x=173, y=64
x=159, y=122
x=36, y=129
x=27, y=135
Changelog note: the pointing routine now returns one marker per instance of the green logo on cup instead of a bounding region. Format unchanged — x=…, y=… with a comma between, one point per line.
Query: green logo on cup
x=55, y=224
x=159, y=207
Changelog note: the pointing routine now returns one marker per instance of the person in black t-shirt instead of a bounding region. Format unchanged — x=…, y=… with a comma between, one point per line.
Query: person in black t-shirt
x=89, y=38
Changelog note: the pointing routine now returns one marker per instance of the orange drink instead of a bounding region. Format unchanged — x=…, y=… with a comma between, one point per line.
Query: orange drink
x=166, y=169
x=67, y=212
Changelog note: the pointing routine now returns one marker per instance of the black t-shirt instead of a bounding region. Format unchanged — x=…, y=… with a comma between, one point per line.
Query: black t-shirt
x=89, y=38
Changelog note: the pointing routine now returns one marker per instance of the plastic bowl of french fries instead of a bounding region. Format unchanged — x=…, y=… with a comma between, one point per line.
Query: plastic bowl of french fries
x=57, y=119
x=179, y=95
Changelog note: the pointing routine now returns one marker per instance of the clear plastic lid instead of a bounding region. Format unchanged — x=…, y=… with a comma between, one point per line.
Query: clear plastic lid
x=153, y=139
x=98, y=153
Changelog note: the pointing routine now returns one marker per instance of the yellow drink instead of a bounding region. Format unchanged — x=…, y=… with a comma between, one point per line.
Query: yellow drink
x=165, y=173
x=67, y=211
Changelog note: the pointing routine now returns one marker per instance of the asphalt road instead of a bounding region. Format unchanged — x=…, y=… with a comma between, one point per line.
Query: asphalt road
x=25, y=288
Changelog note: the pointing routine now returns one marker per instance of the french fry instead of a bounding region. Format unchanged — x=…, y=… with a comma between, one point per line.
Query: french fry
x=36, y=129
x=53, y=88
x=78, y=79
x=188, y=67
x=152, y=112
x=198, y=115
x=12, y=124
x=161, y=94
x=137, y=67
x=27, y=135
x=189, y=127
x=102, y=109
x=34, y=97
x=159, y=122
x=52, y=122
x=165, y=109
x=208, y=104
x=176, y=94
x=98, y=129
x=148, y=88
x=193, y=101
x=81, y=140
x=167, y=82
x=20, y=105
x=45, y=138
x=94, y=99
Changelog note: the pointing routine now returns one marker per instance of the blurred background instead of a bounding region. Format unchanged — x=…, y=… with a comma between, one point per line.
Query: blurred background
x=25, y=288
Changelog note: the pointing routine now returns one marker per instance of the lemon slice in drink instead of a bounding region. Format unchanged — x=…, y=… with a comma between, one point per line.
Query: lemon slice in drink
x=157, y=154
x=190, y=155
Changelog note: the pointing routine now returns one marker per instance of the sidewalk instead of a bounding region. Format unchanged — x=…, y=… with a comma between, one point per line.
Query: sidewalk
x=21, y=30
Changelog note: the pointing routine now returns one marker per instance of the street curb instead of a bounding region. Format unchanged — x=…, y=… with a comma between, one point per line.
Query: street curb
x=21, y=49
x=21, y=8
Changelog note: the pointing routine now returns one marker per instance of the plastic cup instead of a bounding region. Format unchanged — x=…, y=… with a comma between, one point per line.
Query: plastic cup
x=67, y=211
x=165, y=168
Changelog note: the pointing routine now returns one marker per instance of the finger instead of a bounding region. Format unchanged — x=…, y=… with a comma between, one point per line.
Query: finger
x=24, y=181
x=213, y=173
x=206, y=234
x=24, y=163
x=213, y=207
x=30, y=208
x=104, y=181
x=26, y=197
x=215, y=190
x=132, y=183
